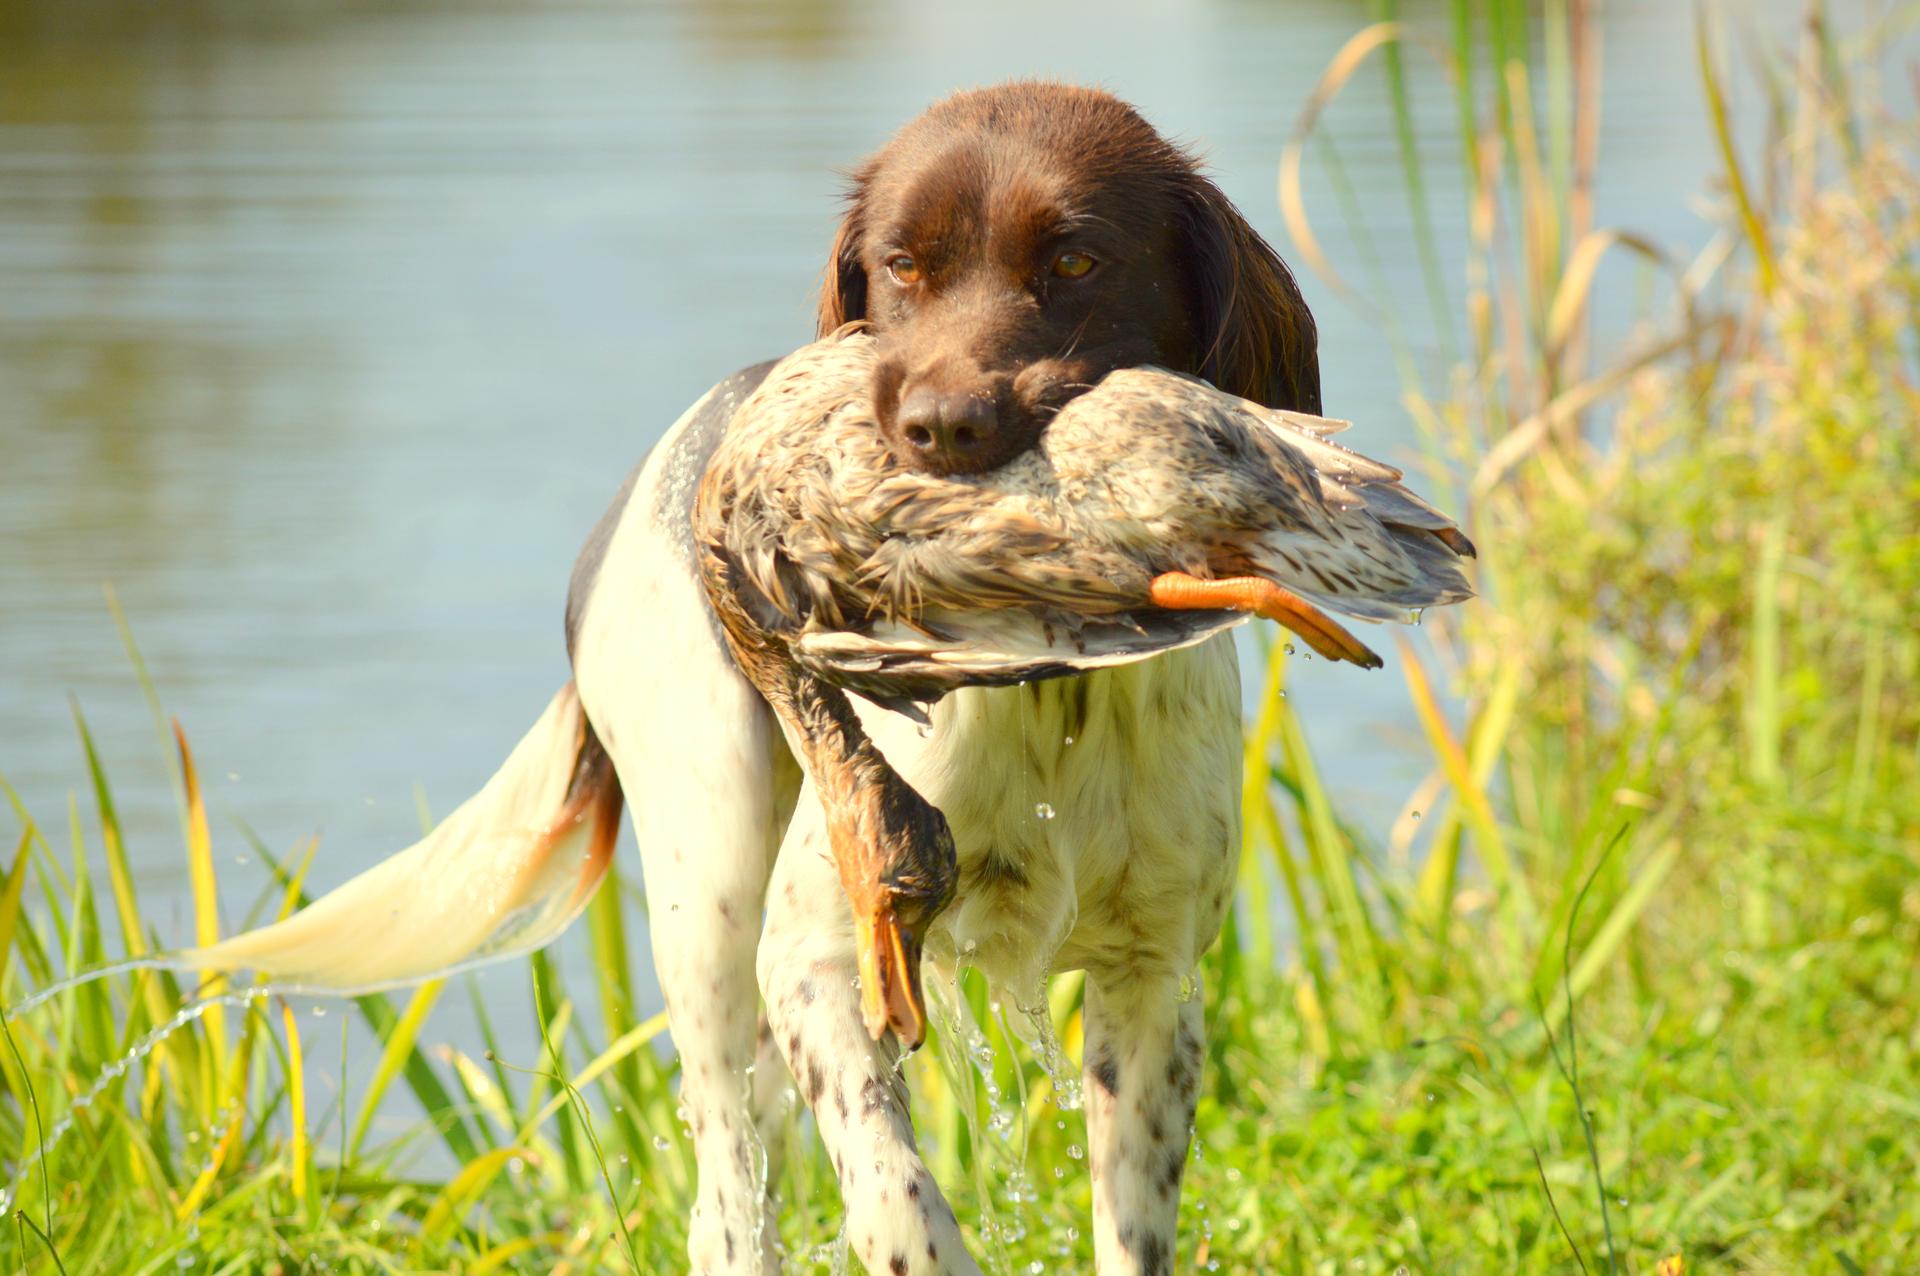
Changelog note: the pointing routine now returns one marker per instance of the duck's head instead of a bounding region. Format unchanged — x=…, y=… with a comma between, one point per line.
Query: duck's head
x=1015, y=244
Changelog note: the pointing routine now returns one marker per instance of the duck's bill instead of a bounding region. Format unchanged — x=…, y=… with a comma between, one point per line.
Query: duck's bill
x=904, y=668
x=1179, y=591
x=891, y=997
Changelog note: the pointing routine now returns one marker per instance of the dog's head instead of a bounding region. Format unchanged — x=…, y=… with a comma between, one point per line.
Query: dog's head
x=1015, y=244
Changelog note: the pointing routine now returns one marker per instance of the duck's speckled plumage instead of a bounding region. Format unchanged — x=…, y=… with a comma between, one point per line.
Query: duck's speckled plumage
x=1147, y=498
x=903, y=585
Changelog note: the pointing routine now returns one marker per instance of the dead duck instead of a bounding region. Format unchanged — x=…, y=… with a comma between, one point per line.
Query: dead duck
x=1154, y=512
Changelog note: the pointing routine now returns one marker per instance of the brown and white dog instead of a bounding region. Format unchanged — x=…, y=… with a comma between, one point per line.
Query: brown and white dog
x=1008, y=248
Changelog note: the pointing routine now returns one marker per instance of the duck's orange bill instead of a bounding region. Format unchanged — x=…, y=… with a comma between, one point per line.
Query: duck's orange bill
x=890, y=994
x=1177, y=591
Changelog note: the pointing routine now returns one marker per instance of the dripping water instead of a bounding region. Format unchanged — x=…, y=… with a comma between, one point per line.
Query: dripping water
x=142, y=1047
x=81, y=978
x=1040, y=1038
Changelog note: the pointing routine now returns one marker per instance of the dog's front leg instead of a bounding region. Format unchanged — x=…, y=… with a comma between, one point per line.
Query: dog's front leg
x=897, y=1220
x=1142, y=1077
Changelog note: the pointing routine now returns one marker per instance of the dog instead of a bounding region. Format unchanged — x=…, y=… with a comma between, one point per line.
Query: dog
x=1007, y=249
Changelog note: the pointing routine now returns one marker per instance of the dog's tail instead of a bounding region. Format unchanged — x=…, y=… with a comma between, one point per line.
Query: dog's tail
x=504, y=873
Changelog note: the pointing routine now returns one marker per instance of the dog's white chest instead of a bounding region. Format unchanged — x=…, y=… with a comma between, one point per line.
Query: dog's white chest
x=1096, y=817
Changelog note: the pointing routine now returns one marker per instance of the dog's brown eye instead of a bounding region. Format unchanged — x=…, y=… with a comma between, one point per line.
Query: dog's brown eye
x=903, y=268
x=1072, y=265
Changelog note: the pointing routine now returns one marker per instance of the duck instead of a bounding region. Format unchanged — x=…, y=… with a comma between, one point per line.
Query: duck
x=1153, y=512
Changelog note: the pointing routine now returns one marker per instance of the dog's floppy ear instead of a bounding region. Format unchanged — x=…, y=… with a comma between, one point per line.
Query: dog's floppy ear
x=1256, y=335
x=843, y=292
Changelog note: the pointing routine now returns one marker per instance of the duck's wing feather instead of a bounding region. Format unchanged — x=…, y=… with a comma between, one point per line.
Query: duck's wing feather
x=902, y=667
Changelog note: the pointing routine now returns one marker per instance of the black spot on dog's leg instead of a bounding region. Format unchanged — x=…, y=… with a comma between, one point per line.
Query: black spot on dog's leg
x=816, y=1082
x=1106, y=1072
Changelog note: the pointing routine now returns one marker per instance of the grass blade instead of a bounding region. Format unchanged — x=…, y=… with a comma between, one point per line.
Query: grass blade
x=1730, y=164
x=119, y=875
x=206, y=893
x=298, y=1152
x=465, y=1188
x=397, y=1047
x=10, y=897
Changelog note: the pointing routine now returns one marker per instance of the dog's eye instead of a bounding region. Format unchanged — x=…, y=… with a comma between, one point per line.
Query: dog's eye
x=903, y=268
x=1072, y=265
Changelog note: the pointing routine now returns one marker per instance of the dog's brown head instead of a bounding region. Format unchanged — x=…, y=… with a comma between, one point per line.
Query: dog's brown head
x=1015, y=244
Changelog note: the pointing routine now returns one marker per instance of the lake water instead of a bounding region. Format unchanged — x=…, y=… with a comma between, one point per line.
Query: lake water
x=327, y=330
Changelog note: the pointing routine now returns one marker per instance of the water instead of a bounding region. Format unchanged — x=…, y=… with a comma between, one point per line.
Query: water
x=326, y=332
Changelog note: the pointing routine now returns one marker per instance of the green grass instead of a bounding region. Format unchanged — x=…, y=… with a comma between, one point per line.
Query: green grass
x=1633, y=978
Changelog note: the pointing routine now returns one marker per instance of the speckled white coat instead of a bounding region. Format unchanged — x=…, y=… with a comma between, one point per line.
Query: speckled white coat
x=1097, y=825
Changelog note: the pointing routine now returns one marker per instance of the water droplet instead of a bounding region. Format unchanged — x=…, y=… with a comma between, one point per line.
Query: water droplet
x=1068, y=742
x=319, y=1012
x=1288, y=649
x=660, y=1143
x=187, y=1259
x=1075, y=1151
x=1043, y=810
x=1416, y=815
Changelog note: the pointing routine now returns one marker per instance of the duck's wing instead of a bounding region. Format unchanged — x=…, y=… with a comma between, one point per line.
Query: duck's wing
x=902, y=667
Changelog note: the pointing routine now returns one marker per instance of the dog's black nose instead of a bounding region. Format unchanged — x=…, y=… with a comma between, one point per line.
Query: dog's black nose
x=950, y=432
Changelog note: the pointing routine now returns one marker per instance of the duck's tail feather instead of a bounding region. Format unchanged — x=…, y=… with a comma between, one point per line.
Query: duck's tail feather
x=505, y=873
x=1349, y=480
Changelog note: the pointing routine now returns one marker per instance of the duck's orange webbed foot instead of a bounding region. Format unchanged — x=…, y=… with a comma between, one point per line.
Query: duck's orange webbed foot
x=1177, y=591
x=890, y=993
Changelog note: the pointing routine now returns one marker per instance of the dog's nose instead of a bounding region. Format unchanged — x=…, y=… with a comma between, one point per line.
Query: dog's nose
x=949, y=431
